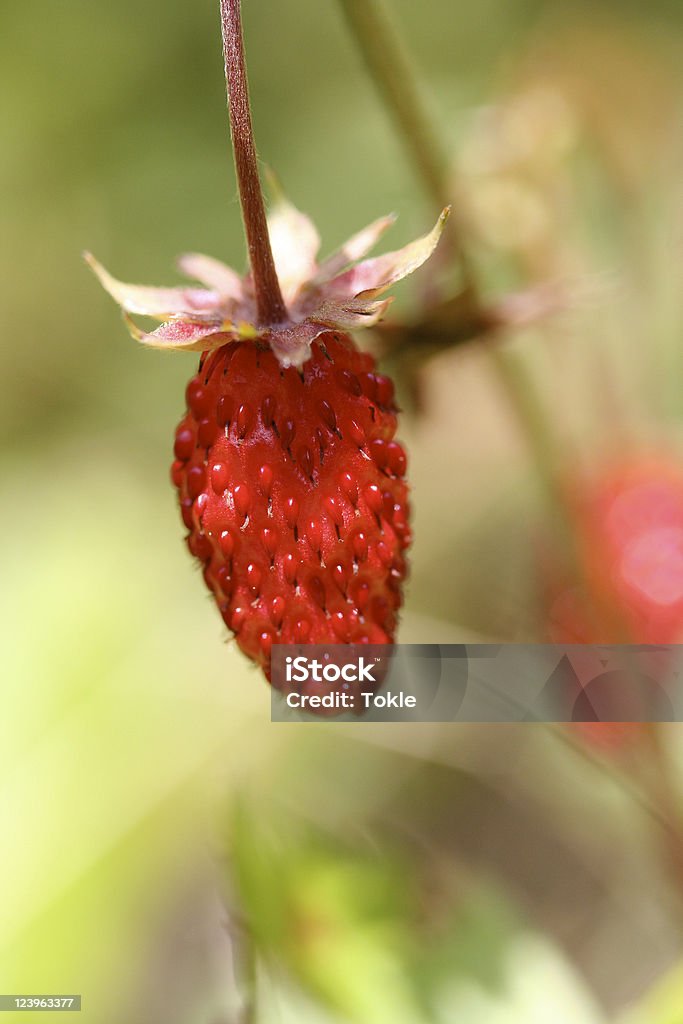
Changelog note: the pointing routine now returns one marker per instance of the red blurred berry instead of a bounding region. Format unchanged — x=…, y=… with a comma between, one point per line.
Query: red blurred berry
x=628, y=526
x=629, y=532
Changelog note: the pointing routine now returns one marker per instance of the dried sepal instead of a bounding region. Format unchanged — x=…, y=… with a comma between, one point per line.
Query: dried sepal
x=292, y=345
x=374, y=276
x=183, y=335
x=295, y=244
x=159, y=303
x=352, y=314
x=353, y=249
x=212, y=273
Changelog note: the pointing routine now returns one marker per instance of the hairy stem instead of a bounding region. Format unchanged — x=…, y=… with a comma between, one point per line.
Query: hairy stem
x=391, y=68
x=270, y=304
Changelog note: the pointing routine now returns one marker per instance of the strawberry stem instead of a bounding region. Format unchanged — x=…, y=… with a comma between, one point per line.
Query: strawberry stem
x=270, y=304
x=390, y=66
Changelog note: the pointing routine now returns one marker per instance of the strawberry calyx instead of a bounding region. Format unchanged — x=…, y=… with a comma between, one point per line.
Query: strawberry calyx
x=343, y=292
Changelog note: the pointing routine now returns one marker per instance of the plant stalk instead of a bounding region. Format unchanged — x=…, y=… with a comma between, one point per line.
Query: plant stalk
x=665, y=795
x=390, y=67
x=269, y=302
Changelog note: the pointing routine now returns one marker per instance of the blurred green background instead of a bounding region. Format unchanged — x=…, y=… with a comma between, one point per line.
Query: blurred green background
x=165, y=850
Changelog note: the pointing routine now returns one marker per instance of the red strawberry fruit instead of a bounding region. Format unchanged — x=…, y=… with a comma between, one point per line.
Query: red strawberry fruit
x=629, y=532
x=291, y=485
x=628, y=525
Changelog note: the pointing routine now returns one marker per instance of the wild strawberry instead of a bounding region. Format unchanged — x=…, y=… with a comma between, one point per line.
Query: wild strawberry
x=292, y=488
x=291, y=484
x=629, y=531
x=628, y=526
